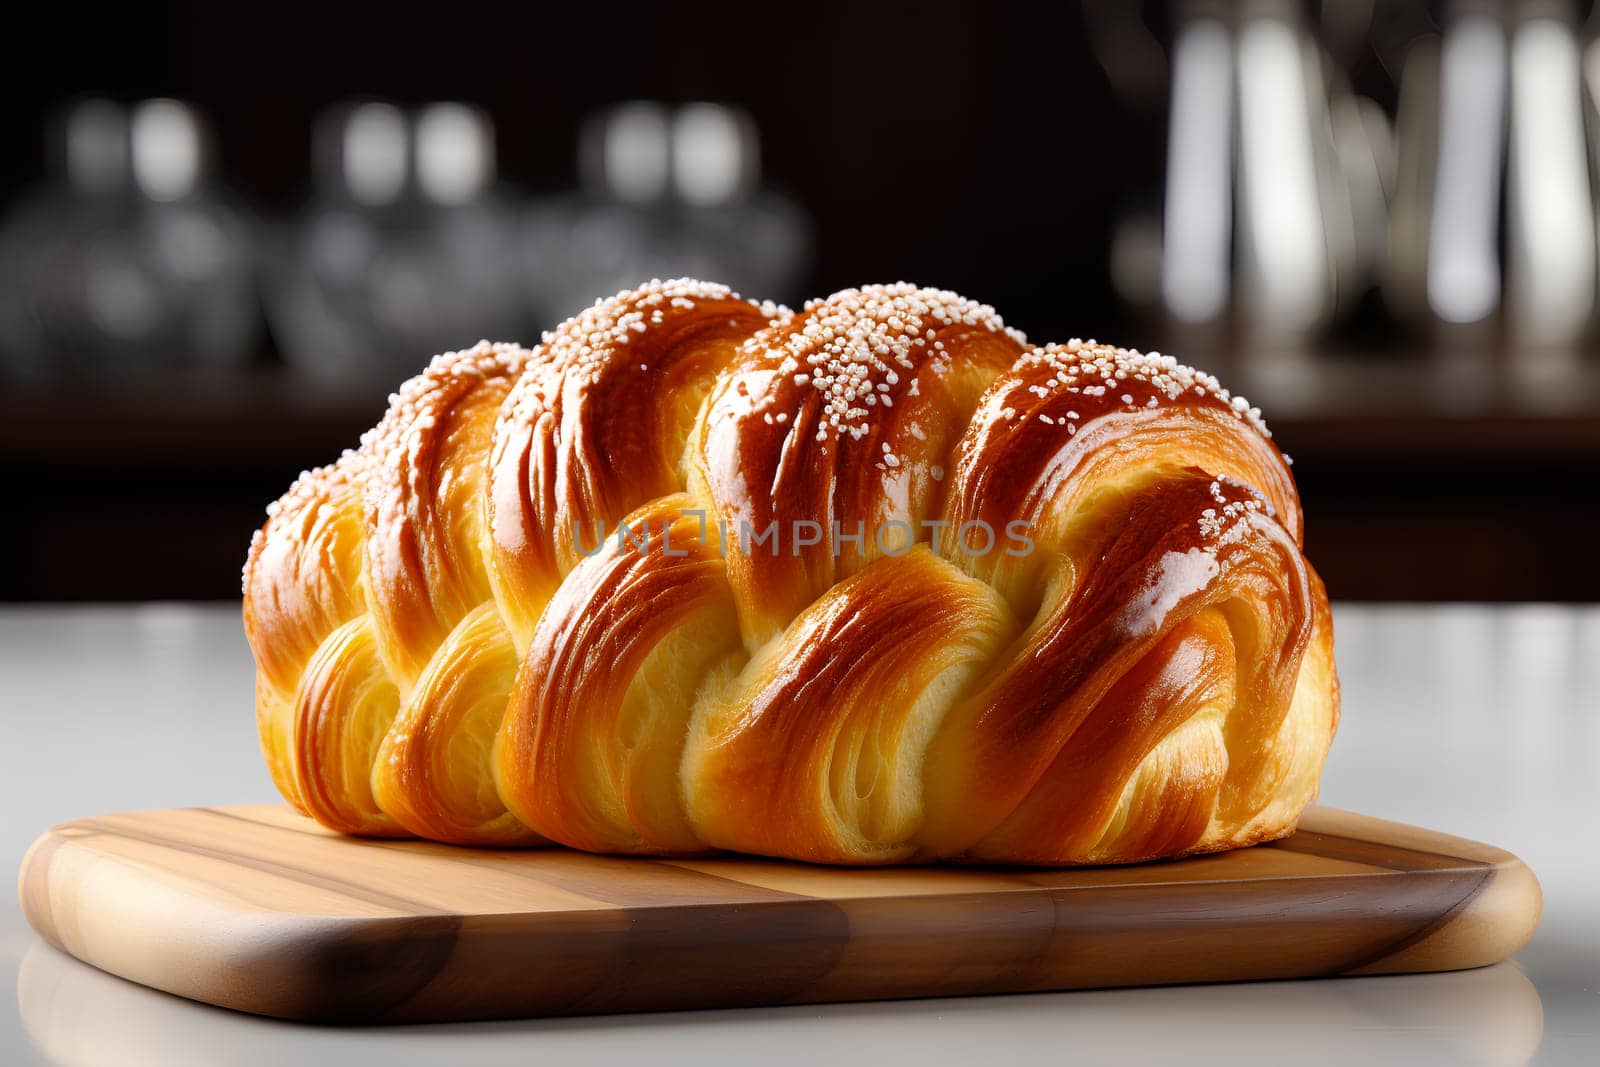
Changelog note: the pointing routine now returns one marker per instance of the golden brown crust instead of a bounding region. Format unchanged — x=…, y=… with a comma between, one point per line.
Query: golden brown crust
x=1082, y=666
x=841, y=415
x=823, y=737
x=429, y=775
x=425, y=479
x=597, y=427
x=595, y=702
x=302, y=580
x=889, y=585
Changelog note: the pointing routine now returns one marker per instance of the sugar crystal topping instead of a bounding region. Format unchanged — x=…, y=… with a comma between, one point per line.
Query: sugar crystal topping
x=1096, y=370
x=855, y=347
x=585, y=340
x=1221, y=523
x=409, y=408
x=318, y=489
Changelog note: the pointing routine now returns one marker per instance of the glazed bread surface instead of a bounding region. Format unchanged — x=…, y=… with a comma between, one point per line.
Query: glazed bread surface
x=872, y=582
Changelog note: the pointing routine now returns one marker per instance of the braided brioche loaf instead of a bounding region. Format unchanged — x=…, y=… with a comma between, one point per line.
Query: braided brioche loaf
x=698, y=573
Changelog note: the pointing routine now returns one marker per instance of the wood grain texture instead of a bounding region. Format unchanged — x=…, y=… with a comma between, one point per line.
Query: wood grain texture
x=259, y=909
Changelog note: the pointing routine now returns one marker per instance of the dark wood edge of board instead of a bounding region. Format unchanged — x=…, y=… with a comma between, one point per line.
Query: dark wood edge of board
x=1460, y=905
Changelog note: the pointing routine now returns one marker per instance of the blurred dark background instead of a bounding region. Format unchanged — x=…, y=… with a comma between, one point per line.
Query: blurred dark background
x=229, y=231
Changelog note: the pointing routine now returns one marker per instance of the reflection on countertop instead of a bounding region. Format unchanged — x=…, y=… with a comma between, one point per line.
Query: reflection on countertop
x=80, y=1017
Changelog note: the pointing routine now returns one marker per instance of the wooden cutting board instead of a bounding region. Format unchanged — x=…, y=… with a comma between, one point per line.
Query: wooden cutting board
x=259, y=909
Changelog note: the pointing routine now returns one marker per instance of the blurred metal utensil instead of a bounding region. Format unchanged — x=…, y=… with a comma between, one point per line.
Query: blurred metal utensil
x=1198, y=221
x=1550, y=208
x=1285, y=262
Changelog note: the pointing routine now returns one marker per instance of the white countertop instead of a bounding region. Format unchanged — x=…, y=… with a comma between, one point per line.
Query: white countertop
x=1481, y=722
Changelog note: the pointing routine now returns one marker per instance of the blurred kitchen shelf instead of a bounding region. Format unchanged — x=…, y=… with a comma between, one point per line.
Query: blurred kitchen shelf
x=1454, y=480
x=137, y=490
x=1464, y=410
x=257, y=415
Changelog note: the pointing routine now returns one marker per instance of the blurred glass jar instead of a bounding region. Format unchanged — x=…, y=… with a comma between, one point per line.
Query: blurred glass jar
x=129, y=260
x=665, y=194
x=406, y=250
